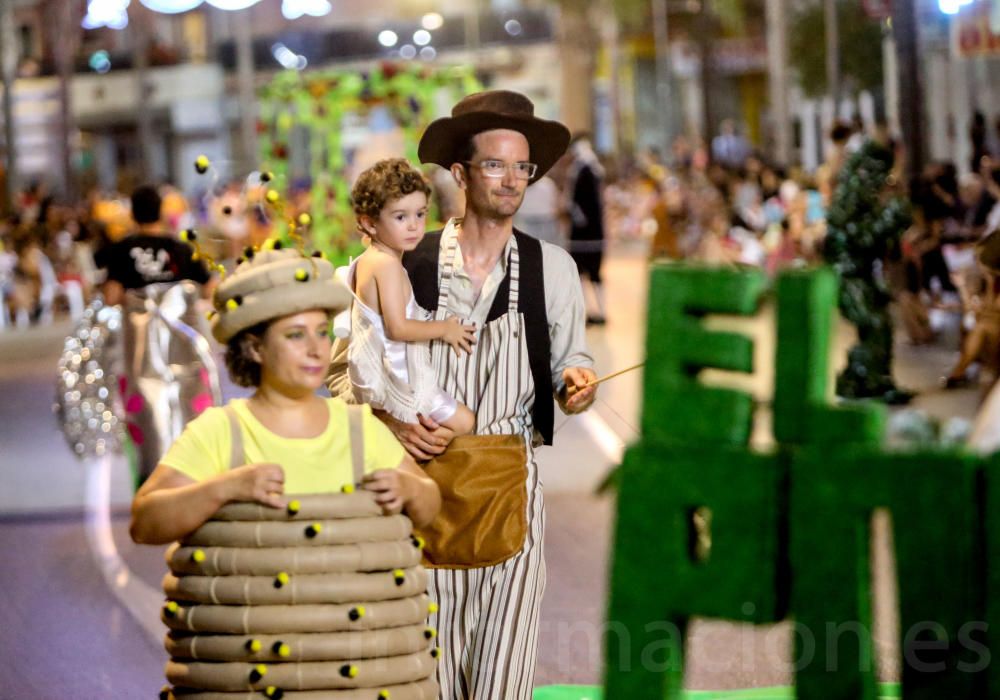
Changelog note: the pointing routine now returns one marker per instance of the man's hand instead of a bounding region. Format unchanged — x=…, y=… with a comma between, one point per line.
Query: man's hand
x=424, y=440
x=576, y=399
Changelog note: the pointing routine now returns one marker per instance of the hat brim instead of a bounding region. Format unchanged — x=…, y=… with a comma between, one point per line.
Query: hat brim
x=328, y=294
x=444, y=139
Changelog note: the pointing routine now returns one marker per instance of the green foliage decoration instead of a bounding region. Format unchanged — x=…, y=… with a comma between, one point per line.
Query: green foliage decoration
x=863, y=222
x=319, y=101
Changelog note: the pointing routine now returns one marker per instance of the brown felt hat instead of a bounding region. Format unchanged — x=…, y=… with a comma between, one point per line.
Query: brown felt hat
x=445, y=138
x=273, y=284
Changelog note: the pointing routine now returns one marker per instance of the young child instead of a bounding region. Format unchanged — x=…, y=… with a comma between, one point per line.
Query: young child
x=389, y=357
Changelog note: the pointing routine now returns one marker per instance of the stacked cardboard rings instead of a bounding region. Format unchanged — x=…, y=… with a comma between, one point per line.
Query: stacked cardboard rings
x=324, y=599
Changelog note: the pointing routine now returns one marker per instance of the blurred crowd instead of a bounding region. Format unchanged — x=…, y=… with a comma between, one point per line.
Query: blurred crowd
x=721, y=202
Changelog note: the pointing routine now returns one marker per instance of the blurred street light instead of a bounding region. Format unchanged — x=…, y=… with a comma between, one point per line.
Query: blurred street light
x=421, y=37
x=408, y=51
x=293, y=9
x=387, y=38
x=432, y=21
x=513, y=27
x=428, y=53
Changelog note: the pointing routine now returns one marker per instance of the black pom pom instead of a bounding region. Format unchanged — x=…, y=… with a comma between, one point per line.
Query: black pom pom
x=227, y=210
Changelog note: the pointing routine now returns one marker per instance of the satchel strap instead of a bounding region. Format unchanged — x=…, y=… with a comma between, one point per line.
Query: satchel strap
x=356, y=434
x=236, y=456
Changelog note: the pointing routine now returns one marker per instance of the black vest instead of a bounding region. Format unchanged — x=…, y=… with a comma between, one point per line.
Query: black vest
x=422, y=266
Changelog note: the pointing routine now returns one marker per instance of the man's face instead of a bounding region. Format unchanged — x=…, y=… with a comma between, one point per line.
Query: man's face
x=496, y=197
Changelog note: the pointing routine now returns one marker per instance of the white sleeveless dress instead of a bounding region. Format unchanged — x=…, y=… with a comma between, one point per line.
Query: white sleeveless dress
x=392, y=375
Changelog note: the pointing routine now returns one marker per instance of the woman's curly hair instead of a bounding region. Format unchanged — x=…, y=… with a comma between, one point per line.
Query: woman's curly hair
x=243, y=369
x=384, y=182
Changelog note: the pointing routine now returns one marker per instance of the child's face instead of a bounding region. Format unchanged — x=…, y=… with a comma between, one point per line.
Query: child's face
x=402, y=222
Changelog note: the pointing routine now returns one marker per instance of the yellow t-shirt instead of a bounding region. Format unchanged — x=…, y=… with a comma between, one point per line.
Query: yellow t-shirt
x=312, y=465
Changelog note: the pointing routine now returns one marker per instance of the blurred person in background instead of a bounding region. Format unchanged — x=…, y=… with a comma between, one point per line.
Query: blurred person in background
x=540, y=210
x=583, y=192
x=170, y=375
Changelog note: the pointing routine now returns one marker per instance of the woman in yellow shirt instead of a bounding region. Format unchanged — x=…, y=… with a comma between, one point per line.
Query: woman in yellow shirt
x=273, y=314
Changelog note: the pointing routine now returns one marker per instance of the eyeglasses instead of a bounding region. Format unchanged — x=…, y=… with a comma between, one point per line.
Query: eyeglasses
x=497, y=168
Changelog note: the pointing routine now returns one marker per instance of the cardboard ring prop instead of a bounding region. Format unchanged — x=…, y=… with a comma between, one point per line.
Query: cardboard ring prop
x=328, y=506
x=275, y=619
x=285, y=589
x=320, y=599
x=334, y=646
x=424, y=690
x=254, y=561
x=312, y=675
x=380, y=528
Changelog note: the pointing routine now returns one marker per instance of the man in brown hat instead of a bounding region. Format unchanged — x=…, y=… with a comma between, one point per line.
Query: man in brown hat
x=524, y=296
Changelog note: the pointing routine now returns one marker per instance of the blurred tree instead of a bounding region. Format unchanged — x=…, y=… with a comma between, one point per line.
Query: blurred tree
x=860, y=48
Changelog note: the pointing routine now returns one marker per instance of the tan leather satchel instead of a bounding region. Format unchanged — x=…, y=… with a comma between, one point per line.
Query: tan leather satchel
x=483, y=519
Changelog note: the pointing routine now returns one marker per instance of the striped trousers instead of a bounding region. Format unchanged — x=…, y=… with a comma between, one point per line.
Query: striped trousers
x=487, y=620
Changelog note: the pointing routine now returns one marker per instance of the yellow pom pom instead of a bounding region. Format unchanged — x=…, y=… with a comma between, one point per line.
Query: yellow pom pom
x=282, y=650
x=272, y=196
x=201, y=164
x=171, y=609
x=302, y=275
x=258, y=672
x=432, y=608
x=347, y=488
x=198, y=555
x=232, y=305
x=314, y=530
x=188, y=235
x=304, y=219
x=435, y=652
x=356, y=613
x=294, y=507
x=348, y=671
x=400, y=576
x=430, y=633
x=383, y=695
x=266, y=176
x=280, y=580
x=210, y=315
x=254, y=645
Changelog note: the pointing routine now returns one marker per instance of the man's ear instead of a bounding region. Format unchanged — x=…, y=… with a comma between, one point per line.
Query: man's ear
x=459, y=174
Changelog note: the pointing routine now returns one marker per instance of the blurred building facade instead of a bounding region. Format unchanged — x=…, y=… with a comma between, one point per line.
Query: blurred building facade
x=142, y=101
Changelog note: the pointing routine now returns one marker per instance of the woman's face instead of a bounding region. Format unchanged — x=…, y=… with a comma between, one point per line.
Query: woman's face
x=294, y=353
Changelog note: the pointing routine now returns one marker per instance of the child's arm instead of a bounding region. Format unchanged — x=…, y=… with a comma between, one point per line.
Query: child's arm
x=390, y=281
x=171, y=505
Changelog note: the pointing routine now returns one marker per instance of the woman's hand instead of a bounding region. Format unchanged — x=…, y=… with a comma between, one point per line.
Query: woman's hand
x=458, y=335
x=392, y=489
x=261, y=483
x=407, y=488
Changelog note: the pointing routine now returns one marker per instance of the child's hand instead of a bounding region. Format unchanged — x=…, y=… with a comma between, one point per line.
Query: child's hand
x=391, y=488
x=262, y=483
x=459, y=335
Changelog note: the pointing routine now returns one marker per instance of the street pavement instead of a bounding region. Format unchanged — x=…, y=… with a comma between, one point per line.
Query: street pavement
x=66, y=629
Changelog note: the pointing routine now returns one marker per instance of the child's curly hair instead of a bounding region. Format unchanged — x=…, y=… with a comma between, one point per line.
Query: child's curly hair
x=384, y=182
